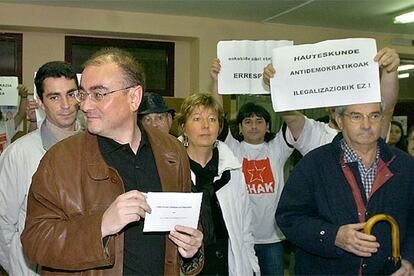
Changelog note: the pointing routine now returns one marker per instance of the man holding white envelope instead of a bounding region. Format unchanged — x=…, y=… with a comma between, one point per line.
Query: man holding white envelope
x=86, y=204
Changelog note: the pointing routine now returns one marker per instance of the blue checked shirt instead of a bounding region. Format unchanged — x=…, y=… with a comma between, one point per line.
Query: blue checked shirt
x=367, y=174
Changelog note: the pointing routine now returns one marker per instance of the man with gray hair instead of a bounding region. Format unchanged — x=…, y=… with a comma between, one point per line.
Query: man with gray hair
x=325, y=204
x=154, y=112
x=87, y=200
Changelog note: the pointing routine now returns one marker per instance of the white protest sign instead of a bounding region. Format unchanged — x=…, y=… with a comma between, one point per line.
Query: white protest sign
x=8, y=91
x=242, y=63
x=329, y=73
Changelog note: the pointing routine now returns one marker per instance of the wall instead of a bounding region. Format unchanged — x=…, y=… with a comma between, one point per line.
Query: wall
x=44, y=28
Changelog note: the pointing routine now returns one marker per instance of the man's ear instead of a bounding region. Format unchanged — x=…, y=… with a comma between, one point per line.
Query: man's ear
x=339, y=121
x=40, y=103
x=170, y=119
x=136, y=97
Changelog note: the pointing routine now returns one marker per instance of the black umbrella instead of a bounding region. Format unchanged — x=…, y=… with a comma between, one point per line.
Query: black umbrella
x=394, y=262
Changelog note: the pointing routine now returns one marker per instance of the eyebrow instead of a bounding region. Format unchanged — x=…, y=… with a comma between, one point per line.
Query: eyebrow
x=96, y=87
x=356, y=112
x=52, y=94
x=58, y=93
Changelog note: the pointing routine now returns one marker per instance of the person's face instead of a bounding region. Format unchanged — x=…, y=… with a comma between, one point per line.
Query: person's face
x=59, y=102
x=395, y=135
x=364, y=133
x=410, y=146
x=202, y=127
x=116, y=112
x=254, y=129
x=162, y=121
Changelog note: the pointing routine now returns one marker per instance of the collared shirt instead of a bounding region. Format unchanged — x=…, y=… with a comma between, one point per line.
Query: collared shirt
x=143, y=252
x=367, y=174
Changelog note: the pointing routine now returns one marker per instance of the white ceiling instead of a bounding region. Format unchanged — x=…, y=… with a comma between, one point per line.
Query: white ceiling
x=363, y=15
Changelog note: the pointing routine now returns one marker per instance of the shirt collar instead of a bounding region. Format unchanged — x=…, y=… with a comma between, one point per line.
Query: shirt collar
x=47, y=136
x=352, y=156
x=108, y=145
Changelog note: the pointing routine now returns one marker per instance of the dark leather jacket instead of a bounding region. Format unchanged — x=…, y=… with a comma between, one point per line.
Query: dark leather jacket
x=71, y=190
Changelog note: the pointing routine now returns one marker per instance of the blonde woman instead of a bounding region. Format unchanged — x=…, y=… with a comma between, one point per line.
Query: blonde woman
x=216, y=172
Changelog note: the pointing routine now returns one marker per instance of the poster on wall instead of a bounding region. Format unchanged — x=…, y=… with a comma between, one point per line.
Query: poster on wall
x=9, y=96
x=242, y=63
x=328, y=73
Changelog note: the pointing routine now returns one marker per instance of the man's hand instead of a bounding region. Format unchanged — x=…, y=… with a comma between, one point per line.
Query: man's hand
x=31, y=110
x=268, y=73
x=350, y=239
x=215, y=69
x=128, y=207
x=22, y=90
x=187, y=239
x=406, y=269
x=388, y=59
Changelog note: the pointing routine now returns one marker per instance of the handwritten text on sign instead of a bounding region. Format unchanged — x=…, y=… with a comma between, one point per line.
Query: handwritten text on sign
x=8, y=91
x=329, y=73
x=242, y=63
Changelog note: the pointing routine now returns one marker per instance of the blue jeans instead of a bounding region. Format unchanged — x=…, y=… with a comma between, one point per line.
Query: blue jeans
x=270, y=258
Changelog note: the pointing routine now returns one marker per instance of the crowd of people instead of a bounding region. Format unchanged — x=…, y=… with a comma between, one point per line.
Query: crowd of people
x=73, y=200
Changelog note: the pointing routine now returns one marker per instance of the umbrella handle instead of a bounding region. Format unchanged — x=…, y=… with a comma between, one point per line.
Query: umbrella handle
x=395, y=233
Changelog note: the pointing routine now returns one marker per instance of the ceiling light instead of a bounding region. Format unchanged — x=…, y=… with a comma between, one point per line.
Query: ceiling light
x=405, y=67
x=404, y=18
x=403, y=76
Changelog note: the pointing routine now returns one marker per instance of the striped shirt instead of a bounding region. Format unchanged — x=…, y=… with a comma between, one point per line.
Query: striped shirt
x=367, y=174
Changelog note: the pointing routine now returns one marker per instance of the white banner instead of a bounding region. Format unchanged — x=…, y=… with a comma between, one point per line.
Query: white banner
x=242, y=63
x=329, y=73
x=8, y=91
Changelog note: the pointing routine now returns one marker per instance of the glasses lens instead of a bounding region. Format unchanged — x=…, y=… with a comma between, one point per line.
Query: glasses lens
x=81, y=95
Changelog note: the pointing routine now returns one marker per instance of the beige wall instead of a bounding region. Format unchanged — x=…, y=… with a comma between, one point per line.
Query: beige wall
x=44, y=28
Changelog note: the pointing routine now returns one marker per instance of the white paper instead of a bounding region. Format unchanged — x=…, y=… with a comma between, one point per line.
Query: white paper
x=171, y=209
x=9, y=95
x=313, y=75
x=242, y=64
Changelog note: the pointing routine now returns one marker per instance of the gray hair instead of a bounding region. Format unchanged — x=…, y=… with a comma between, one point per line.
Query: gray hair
x=340, y=110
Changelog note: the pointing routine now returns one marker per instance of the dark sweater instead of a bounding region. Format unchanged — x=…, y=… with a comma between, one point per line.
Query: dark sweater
x=317, y=200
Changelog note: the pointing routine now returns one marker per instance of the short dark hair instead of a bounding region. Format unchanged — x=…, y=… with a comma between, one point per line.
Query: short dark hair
x=248, y=110
x=131, y=69
x=53, y=69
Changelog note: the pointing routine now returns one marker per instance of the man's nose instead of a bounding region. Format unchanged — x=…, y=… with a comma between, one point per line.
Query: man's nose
x=86, y=104
x=366, y=123
x=154, y=122
x=65, y=103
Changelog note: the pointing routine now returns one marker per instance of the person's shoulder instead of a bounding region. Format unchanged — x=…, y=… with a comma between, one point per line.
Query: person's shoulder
x=401, y=155
x=25, y=142
x=72, y=145
x=161, y=139
x=320, y=154
x=227, y=157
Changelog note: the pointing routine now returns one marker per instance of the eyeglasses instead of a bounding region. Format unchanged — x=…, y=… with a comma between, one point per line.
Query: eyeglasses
x=158, y=118
x=98, y=95
x=357, y=117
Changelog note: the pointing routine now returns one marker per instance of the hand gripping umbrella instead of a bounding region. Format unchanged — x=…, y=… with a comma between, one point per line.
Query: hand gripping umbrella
x=394, y=262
